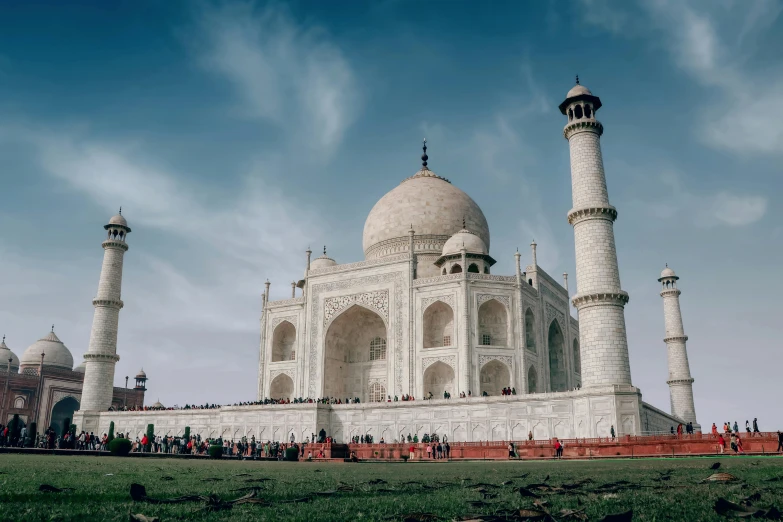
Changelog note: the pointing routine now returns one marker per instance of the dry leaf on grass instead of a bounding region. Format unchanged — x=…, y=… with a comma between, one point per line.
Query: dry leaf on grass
x=527, y=493
x=572, y=514
x=138, y=517
x=720, y=477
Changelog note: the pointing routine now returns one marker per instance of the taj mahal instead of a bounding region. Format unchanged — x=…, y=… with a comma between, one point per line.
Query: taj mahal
x=425, y=315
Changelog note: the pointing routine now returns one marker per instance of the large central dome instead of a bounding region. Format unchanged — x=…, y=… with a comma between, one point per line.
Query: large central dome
x=432, y=205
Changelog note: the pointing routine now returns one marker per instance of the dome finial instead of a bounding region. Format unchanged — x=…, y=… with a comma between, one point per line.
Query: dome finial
x=463, y=222
x=324, y=249
x=424, y=156
x=52, y=328
x=120, y=210
x=667, y=265
x=577, y=79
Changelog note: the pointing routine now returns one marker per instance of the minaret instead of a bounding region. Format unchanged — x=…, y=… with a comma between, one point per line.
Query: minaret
x=599, y=299
x=680, y=381
x=101, y=356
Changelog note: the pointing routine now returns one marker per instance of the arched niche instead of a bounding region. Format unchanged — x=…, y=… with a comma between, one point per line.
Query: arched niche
x=494, y=377
x=530, y=330
x=473, y=268
x=456, y=269
x=348, y=365
x=376, y=392
x=438, y=325
x=532, y=380
x=63, y=410
x=577, y=357
x=438, y=377
x=558, y=380
x=284, y=342
x=493, y=324
x=282, y=387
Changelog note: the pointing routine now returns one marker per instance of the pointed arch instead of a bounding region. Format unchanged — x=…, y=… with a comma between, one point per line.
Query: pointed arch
x=438, y=377
x=438, y=325
x=530, y=330
x=494, y=376
x=473, y=268
x=493, y=323
x=456, y=269
x=284, y=342
x=282, y=387
x=532, y=380
x=558, y=381
x=348, y=363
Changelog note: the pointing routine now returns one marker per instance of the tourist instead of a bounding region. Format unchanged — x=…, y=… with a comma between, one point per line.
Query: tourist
x=739, y=445
x=780, y=442
x=429, y=451
x=510, y=450
x=747, y=426
x=679, y=431
x=721, y=443
x=755, y=425
x=726, y=428
x=447, y=449
x=733, y=443
x=714, y=429
x=611, y=430
x=558, y=449
x=736, y=427
x=440, y=450
x=411, y=452
x=529, y=435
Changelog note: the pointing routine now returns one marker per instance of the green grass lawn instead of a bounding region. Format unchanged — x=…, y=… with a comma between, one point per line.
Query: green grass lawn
x=451, y=490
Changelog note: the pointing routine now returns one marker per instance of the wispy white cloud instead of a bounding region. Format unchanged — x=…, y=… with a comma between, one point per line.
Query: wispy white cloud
x=289, y=75
x=710, y=41
x=721, y=208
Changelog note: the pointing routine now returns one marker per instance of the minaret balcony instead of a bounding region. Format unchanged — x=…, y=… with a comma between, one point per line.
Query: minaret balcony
x=596, y=212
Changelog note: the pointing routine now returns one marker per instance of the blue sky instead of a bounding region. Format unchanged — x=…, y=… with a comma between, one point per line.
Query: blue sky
x=234, y=135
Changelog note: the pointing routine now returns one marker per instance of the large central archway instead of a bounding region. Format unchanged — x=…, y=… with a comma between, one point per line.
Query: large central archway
x=61, y=412
x=438, y=377
x=557, y=370
x=356, y=350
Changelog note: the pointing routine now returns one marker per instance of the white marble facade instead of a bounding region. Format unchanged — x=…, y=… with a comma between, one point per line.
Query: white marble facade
x=424, y=313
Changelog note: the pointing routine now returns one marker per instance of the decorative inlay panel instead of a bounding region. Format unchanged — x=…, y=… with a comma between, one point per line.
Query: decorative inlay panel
x=315, y=347
x=448, y=299
x=57, y=396
x=554, y=313
x=376, y=380
x=505, y=359
x=437, y=279
x=291, y=372
x=547, y=292
x=426, y=362
x=483, y=298
x=377, y=300
x=285, y=302
x=491, y=277
x=277, y=320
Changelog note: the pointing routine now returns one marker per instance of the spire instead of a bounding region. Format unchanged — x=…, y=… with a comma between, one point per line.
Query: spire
x=324, y=250
x=577, y=79
x=120, y=210
x=424, y=156
x=52, y=328
x=463, y=222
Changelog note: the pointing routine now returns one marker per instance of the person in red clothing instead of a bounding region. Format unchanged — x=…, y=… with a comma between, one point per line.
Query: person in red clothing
x=411, y=452
x=679, y=431
x=721, y=443
x=558, y=449
x=714, y=429
x=144, y=442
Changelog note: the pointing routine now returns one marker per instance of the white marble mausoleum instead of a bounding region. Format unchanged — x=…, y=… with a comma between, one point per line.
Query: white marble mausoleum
x=425, y=313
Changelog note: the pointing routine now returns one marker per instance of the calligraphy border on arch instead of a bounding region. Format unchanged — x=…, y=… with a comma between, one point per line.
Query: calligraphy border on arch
x=291, y=372
x=394, y=277
x=483, y=298
x=554, y=313
x=377, y=300
x=447, y=299
x=290, y=318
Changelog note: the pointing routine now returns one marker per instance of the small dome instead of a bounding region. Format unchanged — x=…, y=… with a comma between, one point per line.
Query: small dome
x=57, y=355
x=141, y=374
x=5, y=354
x=578, y=90
x=158, y=405
x=467, y=240
x=118, y=220
x=668, y=273
x=322, y=262
x=81, y=368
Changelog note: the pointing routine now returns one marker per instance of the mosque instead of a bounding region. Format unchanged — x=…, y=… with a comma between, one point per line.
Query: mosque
x=425, y=315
